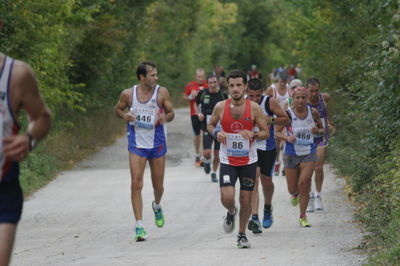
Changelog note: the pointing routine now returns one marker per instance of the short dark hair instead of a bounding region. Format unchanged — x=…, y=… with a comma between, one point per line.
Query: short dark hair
x=212, y=75
x=255, y=84
x=142, y=68
x=313, y=81
x=237, y=73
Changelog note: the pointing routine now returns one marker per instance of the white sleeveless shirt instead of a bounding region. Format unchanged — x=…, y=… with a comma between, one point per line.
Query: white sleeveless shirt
x=9, y=126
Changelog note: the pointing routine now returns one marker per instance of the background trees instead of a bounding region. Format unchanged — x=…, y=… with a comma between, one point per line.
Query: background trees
x=84, y=53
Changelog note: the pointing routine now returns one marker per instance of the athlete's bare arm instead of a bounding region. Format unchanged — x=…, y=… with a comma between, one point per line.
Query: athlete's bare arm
x=123, y=103
x=282, y=117
x=25, y=94
x=331, y=125
x=270, y=92
x=215, y=118
x=259, y=119
x=168, y=114
x=319, y=129
x=278, y=131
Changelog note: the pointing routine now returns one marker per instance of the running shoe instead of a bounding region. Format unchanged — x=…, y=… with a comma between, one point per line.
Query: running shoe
x=318, y=203
x=276, y=169
x=242, y=241
x=294, y=200
x=268, y=219
x=140, y=234
x=254, y=226
x=159, y=216
x=207, y=167
x=310, y=206
x=283, y=172
x=214, y=177
x=229, y=222
x=304, y=222
x=197, y=162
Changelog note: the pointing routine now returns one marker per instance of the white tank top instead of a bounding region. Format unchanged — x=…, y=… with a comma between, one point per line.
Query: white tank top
x=147, y=133
x=301, y=128
x=8, y=124
x=281, y=99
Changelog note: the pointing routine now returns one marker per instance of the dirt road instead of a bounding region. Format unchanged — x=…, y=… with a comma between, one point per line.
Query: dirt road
x=84, y=217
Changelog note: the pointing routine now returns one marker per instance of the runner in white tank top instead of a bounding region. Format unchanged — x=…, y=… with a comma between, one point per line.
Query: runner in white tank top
x=300, y=152
x=280, y=93
x=145, y=108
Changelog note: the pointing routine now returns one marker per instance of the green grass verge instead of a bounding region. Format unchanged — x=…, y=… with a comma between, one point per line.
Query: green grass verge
x=68, y=143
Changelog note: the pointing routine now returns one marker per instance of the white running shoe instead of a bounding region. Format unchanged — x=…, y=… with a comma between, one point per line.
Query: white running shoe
x=310, y=206
x=229, y=222
x=318, y=203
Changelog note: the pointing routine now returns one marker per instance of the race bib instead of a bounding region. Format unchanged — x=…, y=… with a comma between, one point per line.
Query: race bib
x=144, y=117
x=237, y=146
x=303, y=136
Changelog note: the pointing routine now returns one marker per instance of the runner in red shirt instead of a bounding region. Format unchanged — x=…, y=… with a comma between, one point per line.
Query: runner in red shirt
x=190, y=94
x=237, y=133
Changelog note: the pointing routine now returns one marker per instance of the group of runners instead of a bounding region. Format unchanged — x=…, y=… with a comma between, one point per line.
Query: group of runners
x=294, y=119
x=240, y=136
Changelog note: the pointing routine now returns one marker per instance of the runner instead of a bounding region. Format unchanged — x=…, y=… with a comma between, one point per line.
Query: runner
x=319, y=101
x=238, y=154
x=281, y=94
x=207, y=99
x=266, y=150
x=149, y=108
x=300, y=150
x=18, y=90
x=191, y=91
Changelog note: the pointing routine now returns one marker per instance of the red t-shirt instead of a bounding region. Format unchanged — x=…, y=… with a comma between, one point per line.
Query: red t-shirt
x=193, y=85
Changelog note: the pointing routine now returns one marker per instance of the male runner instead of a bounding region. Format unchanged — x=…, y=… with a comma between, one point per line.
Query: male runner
x=18, y=90
x=191, y=91
x=281, y=94
x=238, y=153
x=207, y=99
x=266, y=150
x=149, y=108
x=319, y=101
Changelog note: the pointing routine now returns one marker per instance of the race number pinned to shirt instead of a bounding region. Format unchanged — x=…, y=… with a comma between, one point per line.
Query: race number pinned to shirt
x=304, y=136
x=237, y=146
x=144, y=117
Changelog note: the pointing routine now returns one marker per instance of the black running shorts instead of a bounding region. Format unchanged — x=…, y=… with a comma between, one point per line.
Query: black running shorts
x=229, y=174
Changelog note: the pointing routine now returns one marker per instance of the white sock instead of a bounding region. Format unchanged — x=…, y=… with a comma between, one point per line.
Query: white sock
x=157, y=206
x=213, y=172
x=198, y=155
x=139, y=223
x=317, y=194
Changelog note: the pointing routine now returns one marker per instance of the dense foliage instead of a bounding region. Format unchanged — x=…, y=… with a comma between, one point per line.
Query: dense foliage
x=84, y=52
x=353, y=46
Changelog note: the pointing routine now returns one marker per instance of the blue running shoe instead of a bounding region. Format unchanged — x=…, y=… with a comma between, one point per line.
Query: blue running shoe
x=268, y=219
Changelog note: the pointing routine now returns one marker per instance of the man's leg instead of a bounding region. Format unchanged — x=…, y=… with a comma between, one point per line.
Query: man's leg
x=7, y=237
x=319, y=169
x=157, y=166
x=255, y=197
x=228, y=198
x=215, y=160
x=137, y=166
x=245, y=209
x=268, y=188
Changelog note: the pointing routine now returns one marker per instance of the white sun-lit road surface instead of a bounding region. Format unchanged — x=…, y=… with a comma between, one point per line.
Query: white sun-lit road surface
x=84, y=217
